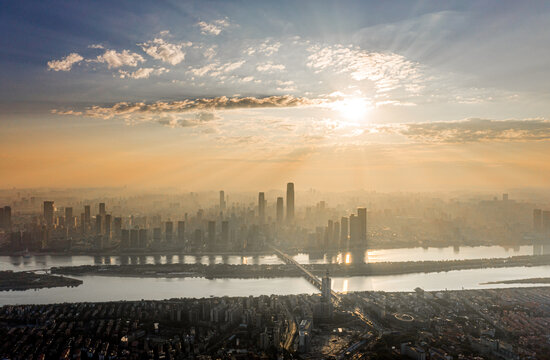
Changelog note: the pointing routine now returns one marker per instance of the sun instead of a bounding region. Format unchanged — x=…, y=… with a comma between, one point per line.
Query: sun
x=352, y=108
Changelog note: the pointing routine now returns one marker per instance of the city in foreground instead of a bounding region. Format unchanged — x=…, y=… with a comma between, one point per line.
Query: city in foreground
x=274, y=180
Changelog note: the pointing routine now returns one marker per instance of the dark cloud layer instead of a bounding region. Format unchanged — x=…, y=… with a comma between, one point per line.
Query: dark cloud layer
x=127, y=109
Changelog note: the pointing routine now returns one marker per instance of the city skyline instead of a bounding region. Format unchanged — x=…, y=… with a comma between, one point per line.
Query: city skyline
x=414, y=96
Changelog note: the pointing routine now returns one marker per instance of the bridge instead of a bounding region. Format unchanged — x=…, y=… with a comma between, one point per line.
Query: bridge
x=308, y=275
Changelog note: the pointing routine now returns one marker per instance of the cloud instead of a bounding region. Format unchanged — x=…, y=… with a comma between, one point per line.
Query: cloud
x=96, y=46
x=200, y=118
x=388, y=71
x=213, y=28
x=267, y=48
x=66, y=63
x=161, y=50
x=141, y=112
x=270, y=67
x=116, y=59
x=142, y=73
x=474, y=130
x=216, y=69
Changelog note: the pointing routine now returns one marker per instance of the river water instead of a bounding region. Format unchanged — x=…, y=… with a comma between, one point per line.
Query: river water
x=100, y=288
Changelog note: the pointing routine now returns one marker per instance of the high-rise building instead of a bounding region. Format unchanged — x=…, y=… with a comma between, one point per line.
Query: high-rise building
x=222, y=200
x=354, y=230
x=225, y=233
x=344, y=231
x=280, y=210
x=48, y=212
x=168, y=231
x=5, y=219
x=336, y=234
x=504, y=197
x=124, y=238
x=102, y=209
x=290, y=202
x=546, y=221
x=108, y=218
x=181, y=233
x=117, y=228
x=261, y=207
x=134, y=238
x=362, y=215
x=211, y=233
x=98, y=224
x=537, y=220
x=69, y=222
x=157, y=235
x=143, y=239
x=326, y=294
x=87, y=215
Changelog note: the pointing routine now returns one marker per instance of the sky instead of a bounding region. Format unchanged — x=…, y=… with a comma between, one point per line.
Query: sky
x=248, y=95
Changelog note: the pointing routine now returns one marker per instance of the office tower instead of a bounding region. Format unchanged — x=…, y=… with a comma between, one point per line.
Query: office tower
x=222, y=200
x=69, y=217
x=48, y=212
x=5, y=221
x=344, y=231
x=336, y=234
x=102, y=209
x=98, y=224
x=181, y=232
x=197, y=238
x=168, y=231
x=124, y=239
x=261, y=207
x=157, y=235
x=546, y=221
x=290, y=202
x=328, y=233
x=354, y=230
x=537, y=220
x=143, y=239
x=82, y=224
x=134, y=238
x=504, y=197
x=87, y=215
x=362, y=215
x=117, y=228
x=225, y=233
x=107, y=226
x=211, y=233
x=280, y=210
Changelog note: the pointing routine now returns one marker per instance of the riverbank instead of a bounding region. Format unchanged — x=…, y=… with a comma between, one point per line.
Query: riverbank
x=22, y=280
x=271, y=271
x=545, y=280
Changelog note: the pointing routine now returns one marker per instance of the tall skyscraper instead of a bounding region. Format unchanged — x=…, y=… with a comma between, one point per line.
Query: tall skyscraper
x=362, y=215
x=48, y=212
x=181, y=233
x=261, y=207
x=69, y=222
x=290, y=202
x=222, y=200
x=143, y=238
x=225, y=233
x=280, y=210
x=87, y=215
x=546, y=221
x=107, y=227
x=344, y=231
x=354, y=230
x=134, y=238
x=169, y=231
x=537, y=220
x=102, y=209
x=6, y=218
x=117, y=228
x=211, y=233
x=98, y=224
